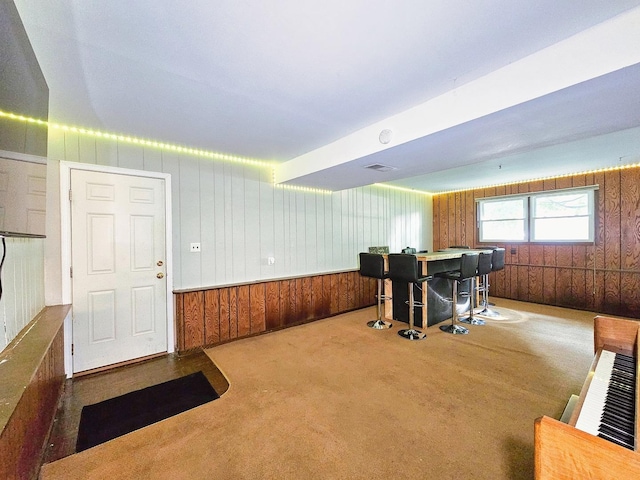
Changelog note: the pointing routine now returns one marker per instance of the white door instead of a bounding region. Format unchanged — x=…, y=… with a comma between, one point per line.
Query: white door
x=118, y=268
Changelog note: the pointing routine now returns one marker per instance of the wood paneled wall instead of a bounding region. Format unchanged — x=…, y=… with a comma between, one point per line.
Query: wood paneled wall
x=604, y=277
x=216, y=315
x=33, y=377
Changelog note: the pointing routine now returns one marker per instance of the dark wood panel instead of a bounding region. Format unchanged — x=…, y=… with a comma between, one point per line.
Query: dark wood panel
x=629, y=291
x=536, y=186
x=612, y=206
x=612, y=239
x=225, y=314
x=306, y=298
x=343, y=287
x=630, y=223
x=233, y=312
x=536, y=255
x=469, y=229
x=317, y=297
x=564, y=256
x=599, y=179
x=193, y=318
x=272, y=305
x=564, y=182
x=211, y=317
x=522, y=288
x=611, y=301
x=243, y=311
x=352, y=281
x=549, y=285
x=286, y=310
x=326, y=295
x=563, y=287
x=179, y=315
x=435, y=205
x=257, y=301
x=536, y=284
x=578, y=288
x=458, y=212
x=335, y=294
x=445, y=220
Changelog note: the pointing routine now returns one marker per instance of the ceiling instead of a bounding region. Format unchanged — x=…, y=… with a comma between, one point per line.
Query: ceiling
x=473, y=93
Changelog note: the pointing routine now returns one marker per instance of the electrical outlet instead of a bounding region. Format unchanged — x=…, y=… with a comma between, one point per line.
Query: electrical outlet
x=271, y=260
x=195, y=247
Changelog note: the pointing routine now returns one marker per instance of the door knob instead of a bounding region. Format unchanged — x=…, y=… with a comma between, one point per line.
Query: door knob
x=159, y=263
x=160, y=275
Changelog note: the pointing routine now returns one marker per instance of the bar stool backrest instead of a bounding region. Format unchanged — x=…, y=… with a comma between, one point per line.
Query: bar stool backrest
x=497, y=261
x=484, y=263
x=468, y=265
x=372, y=265
x=403, y=267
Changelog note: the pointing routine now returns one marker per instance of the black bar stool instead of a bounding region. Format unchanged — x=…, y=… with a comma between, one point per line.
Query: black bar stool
x=468, y=269
x=403, y=268
x=497, y=263
x=484, y=268
x=372, y=266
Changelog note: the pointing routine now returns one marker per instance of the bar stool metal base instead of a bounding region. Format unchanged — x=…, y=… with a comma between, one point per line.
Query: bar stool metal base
x=471, y=320
x=379, y=324
x=487, y=312
x=412, y=334
x=454, y=329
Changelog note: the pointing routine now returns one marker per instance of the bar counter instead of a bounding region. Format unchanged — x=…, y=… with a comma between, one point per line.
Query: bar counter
x=435, y=294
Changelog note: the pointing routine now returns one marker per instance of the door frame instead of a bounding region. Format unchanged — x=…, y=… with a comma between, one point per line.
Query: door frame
x=66, y=247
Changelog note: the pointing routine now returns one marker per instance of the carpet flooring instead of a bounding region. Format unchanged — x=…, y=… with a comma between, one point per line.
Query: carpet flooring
x=334, y=399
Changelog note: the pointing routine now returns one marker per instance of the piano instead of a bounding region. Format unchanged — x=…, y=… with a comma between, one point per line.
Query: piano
x=600, y=439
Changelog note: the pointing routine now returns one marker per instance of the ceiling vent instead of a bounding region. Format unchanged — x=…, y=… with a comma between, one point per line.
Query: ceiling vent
x=378, y=167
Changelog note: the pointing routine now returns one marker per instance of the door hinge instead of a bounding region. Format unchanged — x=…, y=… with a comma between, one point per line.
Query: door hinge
x=69, y=194
x=72, y=349
x=71, y=272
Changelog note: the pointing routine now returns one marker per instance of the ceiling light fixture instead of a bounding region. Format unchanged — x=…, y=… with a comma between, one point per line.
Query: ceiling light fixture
x=385, y=136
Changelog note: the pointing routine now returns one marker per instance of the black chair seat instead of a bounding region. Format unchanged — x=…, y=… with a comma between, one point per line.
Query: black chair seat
x=372, y=266
x=403, y=267
x=468, y=269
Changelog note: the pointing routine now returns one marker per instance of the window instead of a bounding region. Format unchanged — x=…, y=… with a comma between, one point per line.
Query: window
x=555, y=216
x=503, y=219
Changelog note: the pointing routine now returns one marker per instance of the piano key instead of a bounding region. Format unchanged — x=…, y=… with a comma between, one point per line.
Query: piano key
x=609, y=407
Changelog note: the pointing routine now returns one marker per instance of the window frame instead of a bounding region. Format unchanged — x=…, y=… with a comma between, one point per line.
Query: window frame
x=529, y=227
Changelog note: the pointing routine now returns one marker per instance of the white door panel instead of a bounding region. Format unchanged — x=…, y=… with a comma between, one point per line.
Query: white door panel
x=118, y=259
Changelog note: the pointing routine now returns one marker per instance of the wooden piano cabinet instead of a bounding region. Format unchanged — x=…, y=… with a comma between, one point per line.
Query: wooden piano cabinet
x=615, y=332
x=562, y=451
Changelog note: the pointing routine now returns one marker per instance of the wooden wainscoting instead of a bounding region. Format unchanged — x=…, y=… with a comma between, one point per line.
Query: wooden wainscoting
x=30, y=387
x=603, y=277
x=216, y=315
